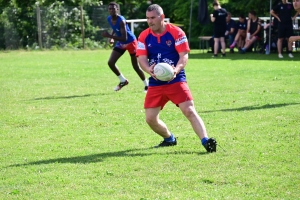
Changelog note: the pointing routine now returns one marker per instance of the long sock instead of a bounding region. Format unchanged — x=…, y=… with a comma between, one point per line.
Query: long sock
x=204, y=140
x=122, y=78
x=170, y=139
x=145, y=82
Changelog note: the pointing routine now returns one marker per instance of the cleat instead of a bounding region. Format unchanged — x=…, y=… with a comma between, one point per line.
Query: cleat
x=280, y=55
x=291, y=55
x=243, y=51
x=166, y=144
x=211, y=145
x=223, y=55
x=121, y=84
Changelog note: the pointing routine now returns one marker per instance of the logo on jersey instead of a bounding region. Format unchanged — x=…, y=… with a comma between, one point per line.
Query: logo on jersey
x=158, y=57
x=181, y=40
x=169, y=42
x=141, y=46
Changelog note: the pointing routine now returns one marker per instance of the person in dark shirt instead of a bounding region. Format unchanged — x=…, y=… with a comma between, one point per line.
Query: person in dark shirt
x=296, y=4
x=253, y=30
x=283, y=12
x=230, y=29
x=219, y=19
x=240, y=37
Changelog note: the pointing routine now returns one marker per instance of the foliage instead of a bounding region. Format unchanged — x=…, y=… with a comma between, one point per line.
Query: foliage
x=17, y=32
x=243, y=7
x=21, y=27
x=62, y=26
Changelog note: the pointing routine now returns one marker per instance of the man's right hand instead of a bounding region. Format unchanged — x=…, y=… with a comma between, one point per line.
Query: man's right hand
x=106, y=34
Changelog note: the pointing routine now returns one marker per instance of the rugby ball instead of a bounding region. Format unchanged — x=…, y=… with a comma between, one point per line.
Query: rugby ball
x=163, y=71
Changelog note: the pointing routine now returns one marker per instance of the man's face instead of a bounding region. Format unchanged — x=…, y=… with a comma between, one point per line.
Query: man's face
x=154, y=20
x=228, y=18
x=284, y=1
x=296, y=4
x=250, y=16
x=113, y=10
x=241, y=20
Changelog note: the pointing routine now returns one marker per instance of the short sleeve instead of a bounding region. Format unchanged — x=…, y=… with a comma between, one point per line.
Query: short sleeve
x=276, y=8
x=181, y=42
x=215, y=13
x=142, y=46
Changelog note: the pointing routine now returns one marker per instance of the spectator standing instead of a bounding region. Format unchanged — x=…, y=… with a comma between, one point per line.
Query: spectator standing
x=219, y=19
x=283, y=12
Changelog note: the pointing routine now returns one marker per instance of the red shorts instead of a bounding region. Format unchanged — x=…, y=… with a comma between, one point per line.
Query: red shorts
x=158, y=96
x=130, y=47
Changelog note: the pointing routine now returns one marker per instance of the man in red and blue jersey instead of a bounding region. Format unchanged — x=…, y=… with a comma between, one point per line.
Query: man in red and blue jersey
x=126, y=41
x=166, y=43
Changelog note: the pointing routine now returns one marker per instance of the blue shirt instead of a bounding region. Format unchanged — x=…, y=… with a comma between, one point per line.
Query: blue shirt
x=117, y=29
x=231, y=25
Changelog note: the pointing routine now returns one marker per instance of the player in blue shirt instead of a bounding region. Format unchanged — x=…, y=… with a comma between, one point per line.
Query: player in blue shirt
x=166, y=43
x=126, y=40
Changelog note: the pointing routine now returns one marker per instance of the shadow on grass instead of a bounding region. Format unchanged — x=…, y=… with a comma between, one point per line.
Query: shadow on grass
x=267, y=106
x=94, y=158
x=69, y=97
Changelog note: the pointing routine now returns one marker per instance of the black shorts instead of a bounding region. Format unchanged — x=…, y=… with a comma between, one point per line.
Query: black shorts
x=219, y=32
x=285, y=30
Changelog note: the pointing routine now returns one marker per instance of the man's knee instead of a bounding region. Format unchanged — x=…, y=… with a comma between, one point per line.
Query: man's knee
x=189, y=111
x=111, y=63
x=151, y=120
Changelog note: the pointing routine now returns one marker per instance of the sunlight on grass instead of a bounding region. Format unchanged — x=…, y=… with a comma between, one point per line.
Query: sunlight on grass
x=65, y=134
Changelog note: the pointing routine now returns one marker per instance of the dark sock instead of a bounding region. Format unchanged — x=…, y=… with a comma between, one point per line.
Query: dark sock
x=170, y=139
x=204, y=140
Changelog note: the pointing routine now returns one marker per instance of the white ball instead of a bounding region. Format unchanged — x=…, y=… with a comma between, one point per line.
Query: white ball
x=163, y=71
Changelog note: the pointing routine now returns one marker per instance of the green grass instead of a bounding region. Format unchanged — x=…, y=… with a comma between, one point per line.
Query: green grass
x=65, y=134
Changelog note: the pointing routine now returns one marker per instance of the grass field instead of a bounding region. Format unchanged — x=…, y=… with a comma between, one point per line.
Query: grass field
x=65, y=134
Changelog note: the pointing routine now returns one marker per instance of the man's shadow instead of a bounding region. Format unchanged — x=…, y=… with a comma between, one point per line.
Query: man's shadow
x=248, y=108
x=100, y=157
x=68, y=97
